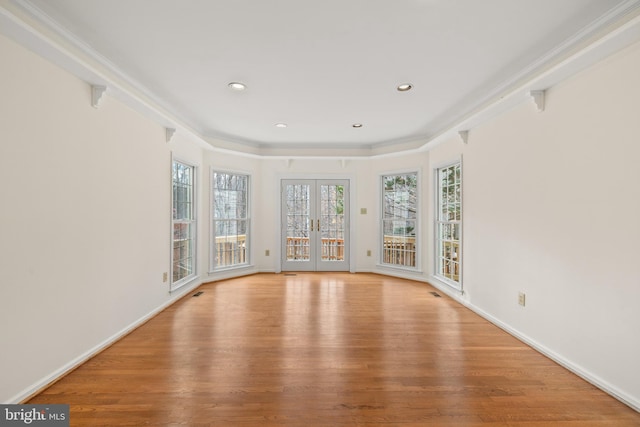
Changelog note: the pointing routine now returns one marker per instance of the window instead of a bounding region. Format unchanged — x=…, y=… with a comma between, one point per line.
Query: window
x=449, y=224
x=230, y=220
x=399, y=219
x=184, y=224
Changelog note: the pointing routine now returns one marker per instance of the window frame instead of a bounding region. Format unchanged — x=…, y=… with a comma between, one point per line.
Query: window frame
x=438, y=252
x=192, y=222
x=213, y=267
x=416, y=218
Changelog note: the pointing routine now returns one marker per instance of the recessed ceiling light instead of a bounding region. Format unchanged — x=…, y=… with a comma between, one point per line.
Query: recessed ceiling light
x=404, y=87
x=281, y=125
x=237, y=86
x=357, y=125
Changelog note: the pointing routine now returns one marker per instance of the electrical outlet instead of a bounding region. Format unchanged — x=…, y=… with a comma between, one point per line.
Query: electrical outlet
x=165, y=277
x=266, y=252
x=369, y=252
x=521, y=298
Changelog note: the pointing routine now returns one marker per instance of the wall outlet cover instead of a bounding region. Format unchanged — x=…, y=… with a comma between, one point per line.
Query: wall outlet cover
x=521, y=298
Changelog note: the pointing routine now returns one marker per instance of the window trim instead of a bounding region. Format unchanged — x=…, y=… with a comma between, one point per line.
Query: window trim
x=436, y=239
x=212, y=251
x=417, y=268
x=173, y=286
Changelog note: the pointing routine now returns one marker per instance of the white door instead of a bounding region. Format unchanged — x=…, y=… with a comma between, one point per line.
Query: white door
x=315, y=225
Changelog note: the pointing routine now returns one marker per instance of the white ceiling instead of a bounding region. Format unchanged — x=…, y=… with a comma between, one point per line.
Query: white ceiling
x=321, y=66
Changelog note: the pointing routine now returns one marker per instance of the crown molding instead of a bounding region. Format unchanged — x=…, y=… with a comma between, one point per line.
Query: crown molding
x=32, y=28
x=623, y=35
x=590, y=34
x=29, y=26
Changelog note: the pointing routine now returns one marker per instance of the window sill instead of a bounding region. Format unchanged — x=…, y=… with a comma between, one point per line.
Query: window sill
x=414, y=270
x=231, y=268
x=454, y=286
x=183, y=282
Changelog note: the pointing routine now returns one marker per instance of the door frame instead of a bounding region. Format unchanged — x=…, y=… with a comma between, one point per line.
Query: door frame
x=278, y=213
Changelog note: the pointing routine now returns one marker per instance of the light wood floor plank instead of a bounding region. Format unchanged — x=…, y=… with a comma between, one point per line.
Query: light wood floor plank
x=327, y=349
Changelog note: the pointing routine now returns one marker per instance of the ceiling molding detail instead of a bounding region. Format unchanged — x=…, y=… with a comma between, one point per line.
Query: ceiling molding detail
x=97, y=93
x=464, y=136
x=538, y=97
x=169, y=133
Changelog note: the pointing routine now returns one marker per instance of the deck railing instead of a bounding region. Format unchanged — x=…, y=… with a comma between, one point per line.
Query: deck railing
x=450, y=262
x=332, y=249
x=231, y=250
x=397, y=250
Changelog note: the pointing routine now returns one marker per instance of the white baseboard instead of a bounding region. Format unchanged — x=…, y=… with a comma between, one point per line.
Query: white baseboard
x=560, y=360
x=71, y=365
x=578, y=370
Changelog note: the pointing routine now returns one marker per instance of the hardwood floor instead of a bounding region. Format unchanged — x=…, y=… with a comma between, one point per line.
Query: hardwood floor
x=327, y=349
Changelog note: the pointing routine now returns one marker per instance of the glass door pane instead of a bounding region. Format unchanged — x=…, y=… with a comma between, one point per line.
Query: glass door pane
x=298, y=221
x=315, y=225
x=298, y=207
x=332, y=240
x=332, y=222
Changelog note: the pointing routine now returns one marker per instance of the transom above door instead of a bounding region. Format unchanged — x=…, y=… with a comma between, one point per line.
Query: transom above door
x=315, y=225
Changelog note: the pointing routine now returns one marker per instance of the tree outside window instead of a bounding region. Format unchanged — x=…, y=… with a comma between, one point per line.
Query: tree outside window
x=230, y=219
x=399, y=219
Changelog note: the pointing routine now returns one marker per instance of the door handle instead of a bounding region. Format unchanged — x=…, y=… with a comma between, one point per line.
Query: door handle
x=311, y=225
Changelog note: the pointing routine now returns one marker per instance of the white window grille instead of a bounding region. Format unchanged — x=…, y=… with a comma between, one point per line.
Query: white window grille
x=231, y=221
x=400, y=220
x=184, y=224
x=449, y=225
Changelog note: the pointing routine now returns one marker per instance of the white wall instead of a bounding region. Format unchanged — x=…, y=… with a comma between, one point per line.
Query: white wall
x=267, y=173
x=365, y=193
x=85, y=219
x=551, y=208
x=84, y=241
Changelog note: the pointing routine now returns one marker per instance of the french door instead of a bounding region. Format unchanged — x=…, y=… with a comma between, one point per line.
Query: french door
x=315, y=225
